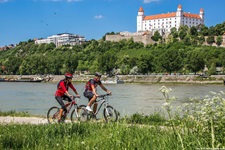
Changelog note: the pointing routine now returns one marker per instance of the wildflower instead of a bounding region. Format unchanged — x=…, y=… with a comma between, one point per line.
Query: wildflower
x=166, y=104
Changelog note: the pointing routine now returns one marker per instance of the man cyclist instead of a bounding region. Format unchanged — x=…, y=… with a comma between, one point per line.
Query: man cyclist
x=91, y=92
x=63, y=94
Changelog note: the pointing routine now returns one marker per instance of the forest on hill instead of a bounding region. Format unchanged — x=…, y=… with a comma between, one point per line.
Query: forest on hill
x=184, y=56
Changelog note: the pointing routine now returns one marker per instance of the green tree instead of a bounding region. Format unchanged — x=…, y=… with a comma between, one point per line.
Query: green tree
x=171, y=60
x=173, y=32
x=193, y=31
x=156, y=36
x=195, y=61
x=210, y=40
x=182, y=31
x=107, y=62
x=145, y=64
x=219, y=40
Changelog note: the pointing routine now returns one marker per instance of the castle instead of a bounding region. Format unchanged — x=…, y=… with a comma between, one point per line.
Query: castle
x=147, y=25
x=164, y=22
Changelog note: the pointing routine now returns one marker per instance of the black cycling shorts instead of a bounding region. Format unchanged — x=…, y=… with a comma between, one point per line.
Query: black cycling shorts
x=89, y=95
x=60, y=100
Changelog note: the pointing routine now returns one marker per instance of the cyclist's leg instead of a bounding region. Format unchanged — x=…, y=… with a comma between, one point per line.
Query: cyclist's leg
x=60, y=101
x=91, y=98
x=68, y=99
x=95, y=107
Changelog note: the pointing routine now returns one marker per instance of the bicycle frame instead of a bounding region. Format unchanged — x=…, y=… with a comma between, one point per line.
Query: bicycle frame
x=102, y=101
x=77, y=112
x=72, y=103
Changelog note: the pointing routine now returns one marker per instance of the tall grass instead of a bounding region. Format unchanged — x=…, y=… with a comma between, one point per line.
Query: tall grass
x=94, y=136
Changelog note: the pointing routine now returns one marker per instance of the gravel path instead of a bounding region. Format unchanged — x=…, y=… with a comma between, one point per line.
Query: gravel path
x=22, y=120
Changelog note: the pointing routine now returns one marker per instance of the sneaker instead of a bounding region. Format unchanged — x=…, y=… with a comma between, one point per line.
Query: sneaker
x=89, y=108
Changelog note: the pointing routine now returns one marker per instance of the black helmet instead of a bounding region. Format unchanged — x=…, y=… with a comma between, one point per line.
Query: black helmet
x=98, y=74
x=68, y=75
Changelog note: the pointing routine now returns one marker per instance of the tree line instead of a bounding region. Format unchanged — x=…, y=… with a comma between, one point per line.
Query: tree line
x=182, y=52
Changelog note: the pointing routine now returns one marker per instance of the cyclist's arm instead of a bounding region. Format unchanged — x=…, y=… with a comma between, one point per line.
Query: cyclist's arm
x=74, y=90
x=94, y=90
x=104, y=88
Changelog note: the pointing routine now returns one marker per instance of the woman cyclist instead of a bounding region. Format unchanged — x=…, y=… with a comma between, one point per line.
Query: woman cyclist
x=63, y=94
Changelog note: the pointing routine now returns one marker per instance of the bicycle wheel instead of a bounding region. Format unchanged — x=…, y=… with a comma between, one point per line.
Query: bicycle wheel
x=90, y=115
x=110, y=114
x=80, y=115
x=52, y=114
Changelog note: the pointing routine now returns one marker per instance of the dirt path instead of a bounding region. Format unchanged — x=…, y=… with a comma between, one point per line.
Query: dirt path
x=22, y=120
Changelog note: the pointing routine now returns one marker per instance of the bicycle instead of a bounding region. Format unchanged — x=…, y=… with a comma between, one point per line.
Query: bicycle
x=78, y=113
x=110, y=114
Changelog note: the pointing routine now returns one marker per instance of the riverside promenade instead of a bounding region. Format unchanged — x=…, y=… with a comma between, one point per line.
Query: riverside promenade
x=154, y=79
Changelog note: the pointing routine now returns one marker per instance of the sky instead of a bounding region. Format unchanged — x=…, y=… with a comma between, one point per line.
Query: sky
x=21, y=20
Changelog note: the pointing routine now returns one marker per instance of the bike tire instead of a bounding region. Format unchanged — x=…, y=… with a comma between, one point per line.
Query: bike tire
x=90, y=115
x=82, y=115
x=52, y=115
x=110, y=114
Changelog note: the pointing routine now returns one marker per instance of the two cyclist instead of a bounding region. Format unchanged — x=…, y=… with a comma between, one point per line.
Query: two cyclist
x=63, y=94
x=90, y=91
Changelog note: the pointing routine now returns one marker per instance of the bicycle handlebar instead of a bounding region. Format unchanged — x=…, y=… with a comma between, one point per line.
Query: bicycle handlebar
x=73, y=97
x=104, y=95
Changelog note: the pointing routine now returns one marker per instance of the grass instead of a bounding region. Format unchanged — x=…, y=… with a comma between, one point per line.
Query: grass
x=13, y=113
x=94, y=136
x=135, y=132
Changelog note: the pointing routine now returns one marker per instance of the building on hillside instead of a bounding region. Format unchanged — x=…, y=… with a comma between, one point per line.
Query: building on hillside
x=63, y=39
x=7, y=47
x=164, y=22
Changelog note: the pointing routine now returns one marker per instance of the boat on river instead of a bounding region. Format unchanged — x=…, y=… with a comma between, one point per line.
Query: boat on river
x=22, y=79
x=113, y=81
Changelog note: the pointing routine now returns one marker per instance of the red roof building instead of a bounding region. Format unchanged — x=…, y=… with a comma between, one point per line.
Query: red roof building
x=164, y=22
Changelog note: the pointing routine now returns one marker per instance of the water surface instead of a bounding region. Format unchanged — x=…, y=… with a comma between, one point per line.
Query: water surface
x=37, y=98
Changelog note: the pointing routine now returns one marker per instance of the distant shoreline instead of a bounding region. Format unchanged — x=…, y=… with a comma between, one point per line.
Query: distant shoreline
x=154, y=79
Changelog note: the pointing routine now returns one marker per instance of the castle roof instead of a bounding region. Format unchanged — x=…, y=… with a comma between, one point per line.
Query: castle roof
x=188, y=15
x=141, y=9
x=169, y=15
x=201, y=10
x=159, y=16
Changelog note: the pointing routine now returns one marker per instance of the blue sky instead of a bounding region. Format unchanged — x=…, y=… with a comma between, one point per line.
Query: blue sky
x=21, y=20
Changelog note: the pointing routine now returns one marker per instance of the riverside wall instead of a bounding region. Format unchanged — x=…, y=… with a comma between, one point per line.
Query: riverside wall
x=152, y=79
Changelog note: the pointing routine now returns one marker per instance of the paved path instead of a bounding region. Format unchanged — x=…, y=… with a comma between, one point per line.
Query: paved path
x=22, y=120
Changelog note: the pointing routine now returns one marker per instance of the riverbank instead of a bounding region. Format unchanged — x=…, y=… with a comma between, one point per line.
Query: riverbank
x=154, y=79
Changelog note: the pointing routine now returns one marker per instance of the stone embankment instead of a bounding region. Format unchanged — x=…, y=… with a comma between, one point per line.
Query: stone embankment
x=179, y=79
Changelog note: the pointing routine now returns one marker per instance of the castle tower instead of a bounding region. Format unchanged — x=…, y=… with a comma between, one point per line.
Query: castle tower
x=202, y=15
x=140, y=18
x=179, y=16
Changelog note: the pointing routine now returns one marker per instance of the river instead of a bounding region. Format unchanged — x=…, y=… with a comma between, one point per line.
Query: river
x=129, y=98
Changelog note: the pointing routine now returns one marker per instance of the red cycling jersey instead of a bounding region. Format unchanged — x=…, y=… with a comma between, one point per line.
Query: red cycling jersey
x=63, y=87
x=92, y=82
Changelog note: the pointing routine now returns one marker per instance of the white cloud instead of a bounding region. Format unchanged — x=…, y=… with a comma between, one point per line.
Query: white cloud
x=98, y=17
x=3, y=1
x=149, y=1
